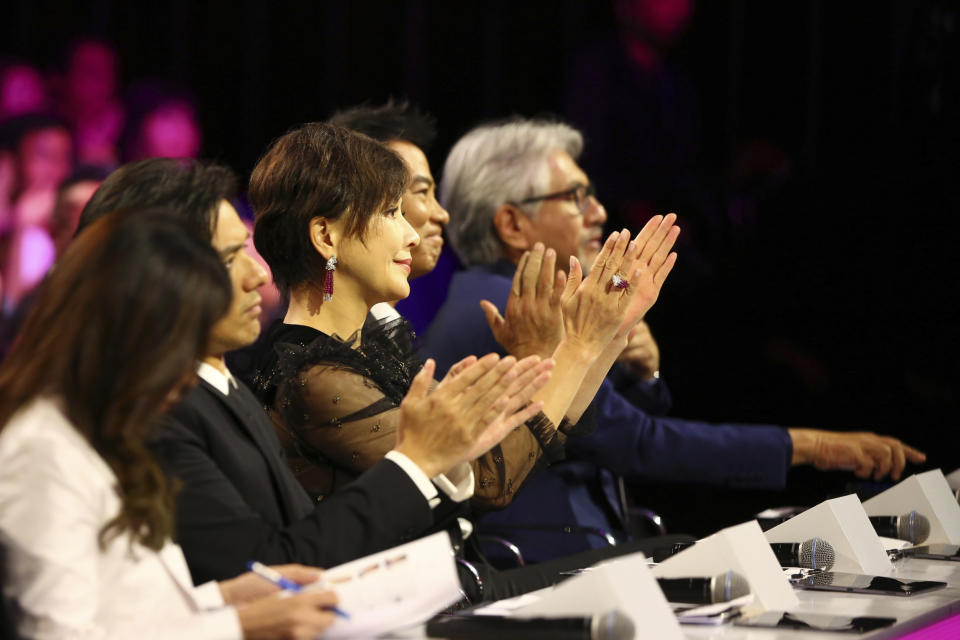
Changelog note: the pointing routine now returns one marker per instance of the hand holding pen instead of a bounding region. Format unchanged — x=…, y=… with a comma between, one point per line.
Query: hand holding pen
x=264, y=615
x=275, y=577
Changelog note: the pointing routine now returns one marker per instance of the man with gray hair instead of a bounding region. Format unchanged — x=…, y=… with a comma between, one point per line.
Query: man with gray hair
x=515, y=186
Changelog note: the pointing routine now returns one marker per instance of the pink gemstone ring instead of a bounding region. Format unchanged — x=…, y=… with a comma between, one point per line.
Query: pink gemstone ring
x=619, y=282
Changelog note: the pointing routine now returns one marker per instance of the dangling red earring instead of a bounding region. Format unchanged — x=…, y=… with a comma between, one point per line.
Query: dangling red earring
x=328, y=279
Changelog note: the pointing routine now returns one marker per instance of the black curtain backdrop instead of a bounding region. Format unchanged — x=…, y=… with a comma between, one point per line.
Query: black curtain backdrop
x=835, y=308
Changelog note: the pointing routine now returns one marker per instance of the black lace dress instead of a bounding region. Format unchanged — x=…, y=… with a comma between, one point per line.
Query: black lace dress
x=336, y=410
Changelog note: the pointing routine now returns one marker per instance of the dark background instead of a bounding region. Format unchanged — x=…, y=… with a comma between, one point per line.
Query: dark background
x=836, y=308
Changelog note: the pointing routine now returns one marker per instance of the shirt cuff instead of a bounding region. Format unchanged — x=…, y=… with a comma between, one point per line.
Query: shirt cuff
x=457, y=483
x=208, y=595
x=417, y=475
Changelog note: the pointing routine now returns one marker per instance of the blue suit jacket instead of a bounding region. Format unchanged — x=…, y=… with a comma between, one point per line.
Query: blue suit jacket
x=627, y=440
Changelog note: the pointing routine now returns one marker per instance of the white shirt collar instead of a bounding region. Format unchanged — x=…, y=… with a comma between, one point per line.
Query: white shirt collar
x=216, y=378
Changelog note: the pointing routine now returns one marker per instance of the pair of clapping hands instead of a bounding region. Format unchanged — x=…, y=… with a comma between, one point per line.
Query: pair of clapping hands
x=481, y=400
x=547, y=306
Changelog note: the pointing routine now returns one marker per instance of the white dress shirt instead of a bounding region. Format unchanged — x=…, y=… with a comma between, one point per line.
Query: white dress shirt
x=456, y=483
x=56, y=494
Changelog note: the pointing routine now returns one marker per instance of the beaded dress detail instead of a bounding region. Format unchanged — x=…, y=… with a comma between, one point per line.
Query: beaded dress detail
x=336, y=409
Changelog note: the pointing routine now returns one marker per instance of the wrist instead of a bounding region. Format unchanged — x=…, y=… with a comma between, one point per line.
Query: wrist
x=544, y=350
x=574, y=352
x=424, y=461
x=226, y=593
x=804, y=442
x=615, y=348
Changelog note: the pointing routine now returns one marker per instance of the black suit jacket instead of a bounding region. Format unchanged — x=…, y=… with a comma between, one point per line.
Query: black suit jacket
x=239, y=501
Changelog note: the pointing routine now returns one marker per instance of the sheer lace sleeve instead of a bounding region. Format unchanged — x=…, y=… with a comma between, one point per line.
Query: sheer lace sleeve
x=337, y=408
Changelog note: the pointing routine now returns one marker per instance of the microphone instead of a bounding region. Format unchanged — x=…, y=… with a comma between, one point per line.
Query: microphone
x=723, y=587
x=913, y=527
x=815, y=553
x=612, y=625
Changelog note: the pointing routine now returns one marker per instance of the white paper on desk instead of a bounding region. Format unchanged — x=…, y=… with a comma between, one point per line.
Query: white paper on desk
x=711, y=613
x=890, y=544
x=396, y=588
x=507, y=606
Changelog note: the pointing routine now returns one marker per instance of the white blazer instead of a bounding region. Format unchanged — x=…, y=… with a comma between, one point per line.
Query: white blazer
x=56, y=493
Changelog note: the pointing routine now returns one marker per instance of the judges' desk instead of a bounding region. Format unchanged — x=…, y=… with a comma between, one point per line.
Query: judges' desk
x=935, y=614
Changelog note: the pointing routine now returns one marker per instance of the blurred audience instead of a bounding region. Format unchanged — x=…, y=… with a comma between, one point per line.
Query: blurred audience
x=22, y=89
x=72, y=196
x=89, y=100
x=61, y=132
x=161, y=123
x=42, y=157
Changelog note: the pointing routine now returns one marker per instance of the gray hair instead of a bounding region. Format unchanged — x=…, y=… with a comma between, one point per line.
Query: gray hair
x=494, y=164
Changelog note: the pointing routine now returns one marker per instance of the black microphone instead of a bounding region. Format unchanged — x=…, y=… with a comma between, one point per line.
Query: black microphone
x=612, y=625
x=723, y=587
x=913, y=527
x=815, y=553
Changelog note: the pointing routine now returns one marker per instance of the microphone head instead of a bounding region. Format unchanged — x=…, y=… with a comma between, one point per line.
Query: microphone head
x=822, y=579
x=612, y=625
x=914, y=527
x=817, y=553
x=728, y=586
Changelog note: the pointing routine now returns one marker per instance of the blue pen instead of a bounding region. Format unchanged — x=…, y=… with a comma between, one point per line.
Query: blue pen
x=286, y=584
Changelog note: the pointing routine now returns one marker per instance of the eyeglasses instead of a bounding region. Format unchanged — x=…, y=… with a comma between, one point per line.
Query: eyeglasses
x=577, y=194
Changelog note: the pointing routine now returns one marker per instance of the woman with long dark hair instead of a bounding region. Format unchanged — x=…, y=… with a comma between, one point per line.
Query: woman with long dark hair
x=86, y=514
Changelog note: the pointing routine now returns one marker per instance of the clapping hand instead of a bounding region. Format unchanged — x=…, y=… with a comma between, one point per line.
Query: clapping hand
x=623, y=283
x=475, y=406
x=532, y=322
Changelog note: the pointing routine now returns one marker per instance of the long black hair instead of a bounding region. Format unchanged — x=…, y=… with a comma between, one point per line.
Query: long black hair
x=114, y=334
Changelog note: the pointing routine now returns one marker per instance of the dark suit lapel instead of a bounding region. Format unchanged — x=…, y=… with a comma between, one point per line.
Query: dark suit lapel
x=255, y=422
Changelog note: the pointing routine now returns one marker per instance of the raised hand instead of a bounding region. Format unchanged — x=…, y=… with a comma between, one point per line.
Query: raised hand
x=514, y=407
x=474, y=407
x=593, y=308
x=654, y=261
x=532, y=322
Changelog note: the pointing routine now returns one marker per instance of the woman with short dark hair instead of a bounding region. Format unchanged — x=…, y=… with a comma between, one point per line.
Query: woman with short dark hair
x=329, y=224
x=327, y=207
x=86, y=514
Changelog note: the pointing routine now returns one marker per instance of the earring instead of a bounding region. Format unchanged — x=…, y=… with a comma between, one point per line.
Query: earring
x=328, y=279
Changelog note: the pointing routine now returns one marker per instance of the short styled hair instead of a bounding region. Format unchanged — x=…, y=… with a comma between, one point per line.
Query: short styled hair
x=494, y=164
x=193, y=189
x=317, y=170
x=395, y=120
